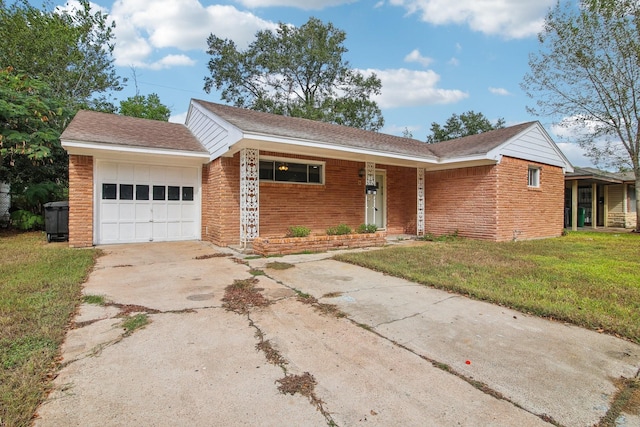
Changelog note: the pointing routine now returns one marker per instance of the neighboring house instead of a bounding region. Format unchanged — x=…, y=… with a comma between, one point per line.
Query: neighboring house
x=598, y=198
x=230, y=175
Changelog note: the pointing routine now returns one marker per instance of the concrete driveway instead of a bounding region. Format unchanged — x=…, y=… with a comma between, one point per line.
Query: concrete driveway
x=395, y=353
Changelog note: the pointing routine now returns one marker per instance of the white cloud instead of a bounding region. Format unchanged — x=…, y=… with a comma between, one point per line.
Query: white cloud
x=399, y=130
x=144, y=27
x=404, y=88
x=170, y=61
x=499, y=91
x=415, y=56
x=179, y=118
x=378, y=5
x=300, y=4
x=508, y=18
x=454, y=61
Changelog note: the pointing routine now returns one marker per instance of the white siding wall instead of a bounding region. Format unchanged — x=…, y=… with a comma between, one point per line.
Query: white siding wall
x=534, y=146
x=217, y=136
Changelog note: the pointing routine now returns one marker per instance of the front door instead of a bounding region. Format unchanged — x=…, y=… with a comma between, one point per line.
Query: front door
x=376, y=209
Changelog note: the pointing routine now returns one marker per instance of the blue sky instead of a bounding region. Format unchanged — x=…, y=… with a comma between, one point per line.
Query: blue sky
x=434, y=57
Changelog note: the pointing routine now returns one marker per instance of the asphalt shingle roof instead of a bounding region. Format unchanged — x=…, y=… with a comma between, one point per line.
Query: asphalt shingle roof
x=478, y=144
x=95, y=127
x=250, y=121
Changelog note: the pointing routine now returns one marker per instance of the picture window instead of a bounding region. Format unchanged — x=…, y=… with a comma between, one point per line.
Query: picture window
x=283, y=171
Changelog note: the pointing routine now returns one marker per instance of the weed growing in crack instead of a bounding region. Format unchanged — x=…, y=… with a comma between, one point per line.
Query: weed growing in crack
x=243, y=295
x=94, y=299
x=332, y=295
x=256, y=272
x=328, y=309
x=209, y=256
x=135, y=322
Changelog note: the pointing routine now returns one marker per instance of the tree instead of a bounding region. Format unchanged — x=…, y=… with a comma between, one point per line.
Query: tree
x=296, y=72
x=587, y=75
x=71, y=51
x=469, y=123
x=145, y=107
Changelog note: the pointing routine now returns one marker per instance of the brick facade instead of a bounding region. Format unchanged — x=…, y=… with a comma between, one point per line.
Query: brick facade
x=80, y=201
x=495, y=202
x=221, y=201
x=462, y=201
x=524, y=212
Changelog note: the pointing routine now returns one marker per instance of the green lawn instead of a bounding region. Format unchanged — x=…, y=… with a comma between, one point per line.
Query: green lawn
x=589, y=279
x=40, y=288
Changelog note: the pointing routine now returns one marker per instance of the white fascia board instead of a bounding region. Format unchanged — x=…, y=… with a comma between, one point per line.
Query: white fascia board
x=336, y=147
x=90, y=149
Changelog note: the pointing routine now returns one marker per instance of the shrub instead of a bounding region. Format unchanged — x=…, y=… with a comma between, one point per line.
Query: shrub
x=25, y=220
x=367, y=228
x=298, y=231
x=340, y=230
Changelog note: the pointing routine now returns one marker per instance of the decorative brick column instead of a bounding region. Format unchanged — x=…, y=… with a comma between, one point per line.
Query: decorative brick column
x=80, y=201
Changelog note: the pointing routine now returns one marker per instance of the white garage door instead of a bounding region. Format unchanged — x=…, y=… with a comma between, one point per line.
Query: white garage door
x=144, y=203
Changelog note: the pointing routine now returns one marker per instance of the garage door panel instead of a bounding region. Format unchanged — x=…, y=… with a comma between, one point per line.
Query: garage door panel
x=133, y=215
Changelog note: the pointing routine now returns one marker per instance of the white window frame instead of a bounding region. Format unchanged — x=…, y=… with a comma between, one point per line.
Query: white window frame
x=533, y=177
x=298, y=161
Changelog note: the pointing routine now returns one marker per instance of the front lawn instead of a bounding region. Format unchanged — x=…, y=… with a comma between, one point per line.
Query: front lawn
x=589, y=279
x=40, y=288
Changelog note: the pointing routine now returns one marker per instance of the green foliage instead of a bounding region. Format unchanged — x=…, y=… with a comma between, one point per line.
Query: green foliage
x=69, y=48
x=298, y=231
x=145, y=107
x=339, y=230
x=130, y=324
x=94, y=299
x=296, y=72
x=31, y=119
x=469, y=123
x=26, y=220
x=430, y=237
x=367, y=228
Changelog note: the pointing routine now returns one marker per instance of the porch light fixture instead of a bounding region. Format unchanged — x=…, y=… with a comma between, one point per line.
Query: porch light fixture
x=361, y=172
x=283, y=167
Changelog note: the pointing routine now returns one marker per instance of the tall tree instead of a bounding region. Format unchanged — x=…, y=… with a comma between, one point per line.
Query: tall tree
x=587, y=76
x=469, y=123
x=296, y=72
x=70, y=50
x=145, y=107
x=31, y=120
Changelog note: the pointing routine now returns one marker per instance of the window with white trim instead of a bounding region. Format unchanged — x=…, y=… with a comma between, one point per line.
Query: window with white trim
x=294, y=172
x=534, y=177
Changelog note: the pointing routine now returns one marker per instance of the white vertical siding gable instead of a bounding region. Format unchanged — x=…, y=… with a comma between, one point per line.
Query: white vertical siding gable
x=535, y=145
x=215, y=134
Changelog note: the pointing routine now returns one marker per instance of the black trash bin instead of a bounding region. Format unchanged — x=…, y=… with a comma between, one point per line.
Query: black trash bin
x=56, y=220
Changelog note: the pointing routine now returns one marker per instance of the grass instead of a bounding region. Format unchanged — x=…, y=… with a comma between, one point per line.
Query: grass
x=588, y=279
x=40, y=290
x=130, y=324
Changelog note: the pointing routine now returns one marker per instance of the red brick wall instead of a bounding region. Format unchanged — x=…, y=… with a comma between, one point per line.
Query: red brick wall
x=339, y=201
x=402, y=199
x=462, y=200
x=221, y=201
x=80, y=201
x=525, y=212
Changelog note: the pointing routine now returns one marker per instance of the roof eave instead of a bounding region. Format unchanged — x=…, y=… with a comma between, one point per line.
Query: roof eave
x=91, y=148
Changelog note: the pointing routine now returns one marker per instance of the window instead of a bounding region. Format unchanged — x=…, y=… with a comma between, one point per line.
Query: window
x=158, y=192
x=126, y=192
x=187, y=193
x=534, y=177
x=109, y=191
x=142, y=192
x=173, y=193
x=281, y=171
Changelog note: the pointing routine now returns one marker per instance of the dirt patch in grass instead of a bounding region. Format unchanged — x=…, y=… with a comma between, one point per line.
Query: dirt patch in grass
x=243, y=295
